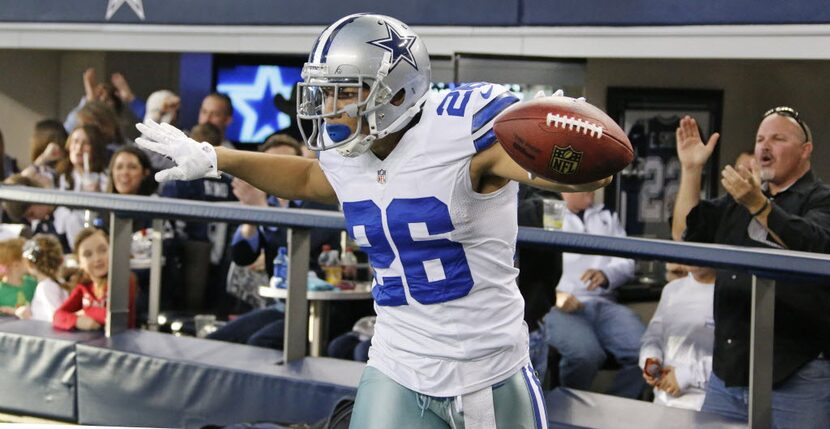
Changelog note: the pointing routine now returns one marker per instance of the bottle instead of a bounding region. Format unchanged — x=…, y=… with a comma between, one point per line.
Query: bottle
x=280, y=277
x=349, y=262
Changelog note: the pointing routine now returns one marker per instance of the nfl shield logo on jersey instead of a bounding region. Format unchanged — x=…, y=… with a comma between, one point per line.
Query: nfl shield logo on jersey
x=382, y=176
x=565, y=160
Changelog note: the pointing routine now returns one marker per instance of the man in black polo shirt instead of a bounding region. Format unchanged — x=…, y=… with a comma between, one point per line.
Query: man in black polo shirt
x=779, y=203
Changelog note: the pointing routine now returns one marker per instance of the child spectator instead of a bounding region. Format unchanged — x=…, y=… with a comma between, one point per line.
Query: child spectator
x=86, y=307
x=679, y=341
x=47, y=219
x=16, y=288
x=43, y=256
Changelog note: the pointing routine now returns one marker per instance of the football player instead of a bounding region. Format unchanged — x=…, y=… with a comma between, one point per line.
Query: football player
x=431, y=198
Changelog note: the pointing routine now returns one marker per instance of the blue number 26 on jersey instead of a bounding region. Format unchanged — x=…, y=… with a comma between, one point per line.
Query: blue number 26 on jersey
x=436, y=269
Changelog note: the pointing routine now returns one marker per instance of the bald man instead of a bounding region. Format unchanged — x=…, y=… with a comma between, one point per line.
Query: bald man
x=776, y=203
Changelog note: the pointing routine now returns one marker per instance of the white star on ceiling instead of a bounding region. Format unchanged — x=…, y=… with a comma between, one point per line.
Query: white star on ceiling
x=136, y=5
x=268, y=79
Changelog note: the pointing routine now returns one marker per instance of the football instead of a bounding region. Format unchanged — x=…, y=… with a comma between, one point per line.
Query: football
x=563, y=139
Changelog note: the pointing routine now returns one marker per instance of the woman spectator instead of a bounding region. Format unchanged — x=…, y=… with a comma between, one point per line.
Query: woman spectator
x=16, y=288
x=46, y=150
x=86, y=307
x=83, y=169
x=129, y=173
x=47, y=131
x=43, y=255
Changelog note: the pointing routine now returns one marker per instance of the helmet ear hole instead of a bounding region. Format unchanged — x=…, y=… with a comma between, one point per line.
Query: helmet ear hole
x=397, y=100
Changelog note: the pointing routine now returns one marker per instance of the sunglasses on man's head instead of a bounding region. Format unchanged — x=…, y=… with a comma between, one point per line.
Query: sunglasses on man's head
x=791, y=113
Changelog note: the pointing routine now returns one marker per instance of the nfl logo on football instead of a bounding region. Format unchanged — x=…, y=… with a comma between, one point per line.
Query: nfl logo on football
x=382, y=176
x=565, y=160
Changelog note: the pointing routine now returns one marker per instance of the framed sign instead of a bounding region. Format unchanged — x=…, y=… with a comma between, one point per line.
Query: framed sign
x=645, y=191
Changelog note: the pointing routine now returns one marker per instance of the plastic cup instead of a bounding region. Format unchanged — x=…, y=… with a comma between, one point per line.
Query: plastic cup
x=553, y=216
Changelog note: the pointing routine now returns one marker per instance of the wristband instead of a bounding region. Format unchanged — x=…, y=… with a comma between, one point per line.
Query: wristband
x=761, y=210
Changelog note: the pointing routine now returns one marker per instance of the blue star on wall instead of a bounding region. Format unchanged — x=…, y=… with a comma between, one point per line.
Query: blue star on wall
x=255, y=116
x=398, y=46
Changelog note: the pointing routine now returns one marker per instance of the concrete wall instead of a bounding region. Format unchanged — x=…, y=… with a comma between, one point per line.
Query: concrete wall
x=40, y=84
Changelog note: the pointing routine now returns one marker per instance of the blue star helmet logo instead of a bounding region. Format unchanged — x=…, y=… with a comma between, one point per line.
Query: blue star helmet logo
x=398, y=46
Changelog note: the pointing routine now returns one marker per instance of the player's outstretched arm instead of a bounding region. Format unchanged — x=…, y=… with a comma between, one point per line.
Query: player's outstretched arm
x=289, y=177
x=494, y=161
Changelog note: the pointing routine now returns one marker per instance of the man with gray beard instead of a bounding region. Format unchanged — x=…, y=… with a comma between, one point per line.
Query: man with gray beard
x=777, y=203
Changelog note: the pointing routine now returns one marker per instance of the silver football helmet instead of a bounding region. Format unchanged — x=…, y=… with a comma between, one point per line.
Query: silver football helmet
x=367, y=66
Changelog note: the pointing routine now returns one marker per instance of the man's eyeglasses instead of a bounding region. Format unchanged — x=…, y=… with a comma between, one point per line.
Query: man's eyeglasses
x=791, y=113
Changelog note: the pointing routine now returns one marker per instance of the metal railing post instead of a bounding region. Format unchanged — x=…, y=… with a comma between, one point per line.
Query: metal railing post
x=296, y=302
x=760, y=353
x=118, y=283
x=155, y=274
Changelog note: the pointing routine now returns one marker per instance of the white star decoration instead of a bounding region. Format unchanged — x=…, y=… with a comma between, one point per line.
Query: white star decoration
x=240, y=94
x=136, y=5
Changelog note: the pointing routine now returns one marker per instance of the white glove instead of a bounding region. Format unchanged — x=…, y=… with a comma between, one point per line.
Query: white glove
x=193, y=160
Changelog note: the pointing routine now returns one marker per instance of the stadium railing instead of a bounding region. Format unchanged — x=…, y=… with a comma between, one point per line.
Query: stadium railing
x=766, y=266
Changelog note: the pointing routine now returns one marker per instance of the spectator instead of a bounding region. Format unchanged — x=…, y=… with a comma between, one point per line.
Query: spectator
x=207, y=132
x=86, y=307
x=47, y=131
x=779, y=203
x=8, y=165
x=163, y=107
x=102, y=116
x=83, y=169
x=128, y=98
x=129, y=173
x=539, y=271
x=679, y=340
x=203, y=244
x=46, y=151
x=217, y=109
x=16, y=287
x=676, y=271
x=116, y=97
x=42, y=218
x=44, y=257
x=587, y=323
x=354, y=345
x=264, y=327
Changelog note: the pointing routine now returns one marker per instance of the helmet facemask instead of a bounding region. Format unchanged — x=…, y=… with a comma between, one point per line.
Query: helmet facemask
x=319, y=99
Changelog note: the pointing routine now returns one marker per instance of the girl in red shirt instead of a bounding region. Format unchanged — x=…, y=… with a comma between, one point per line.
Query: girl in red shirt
x=86, y=307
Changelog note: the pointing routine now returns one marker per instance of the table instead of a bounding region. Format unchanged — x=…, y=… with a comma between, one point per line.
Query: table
x=318, y=309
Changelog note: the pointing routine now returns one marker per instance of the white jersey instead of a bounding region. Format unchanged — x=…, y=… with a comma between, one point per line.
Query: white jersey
x=450, y=316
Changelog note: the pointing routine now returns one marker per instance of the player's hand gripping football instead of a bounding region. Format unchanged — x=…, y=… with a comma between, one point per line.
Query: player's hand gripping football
x=193, y=160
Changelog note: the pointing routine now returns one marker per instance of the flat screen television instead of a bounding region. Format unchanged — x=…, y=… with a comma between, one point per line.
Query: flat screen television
x=262, y=90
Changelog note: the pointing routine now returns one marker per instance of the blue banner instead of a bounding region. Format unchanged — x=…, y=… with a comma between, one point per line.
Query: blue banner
x=420, y=12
